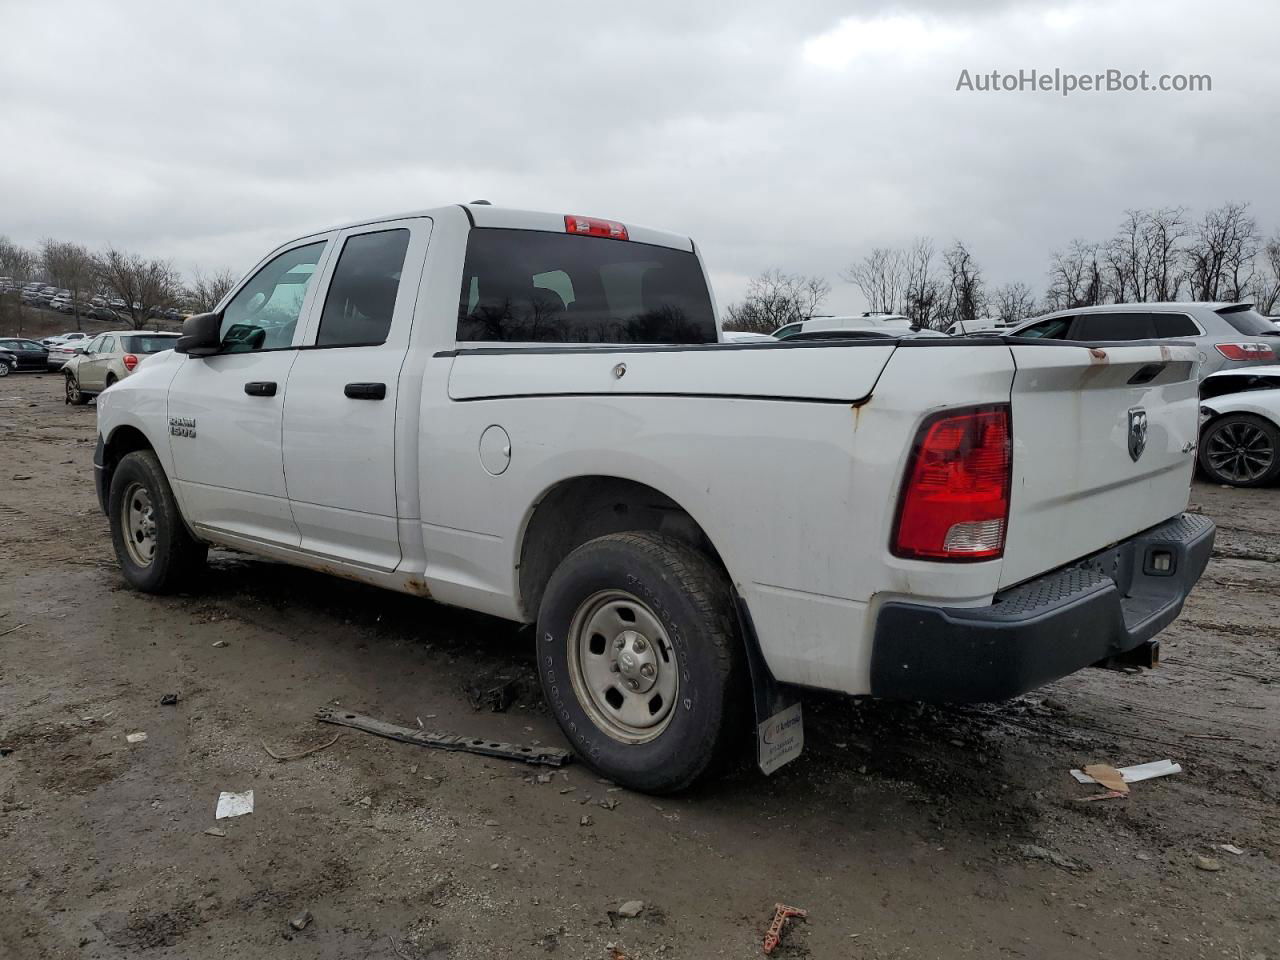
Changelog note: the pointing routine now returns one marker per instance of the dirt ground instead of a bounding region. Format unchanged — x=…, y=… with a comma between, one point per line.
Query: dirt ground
x=905, y=831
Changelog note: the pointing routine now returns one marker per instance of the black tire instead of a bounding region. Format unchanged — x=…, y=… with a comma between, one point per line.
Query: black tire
x=109, y=381
x=690, y=598
x=176, y=555
x=74, y=395
x=1240, y=450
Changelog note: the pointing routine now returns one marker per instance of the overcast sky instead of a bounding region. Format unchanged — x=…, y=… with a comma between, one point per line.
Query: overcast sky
x=775, y=137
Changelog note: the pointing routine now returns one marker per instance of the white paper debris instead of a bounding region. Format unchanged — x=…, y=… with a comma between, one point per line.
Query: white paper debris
x=136, y=737
x=1141, y=771
x=1231, y=848
x=234, y=805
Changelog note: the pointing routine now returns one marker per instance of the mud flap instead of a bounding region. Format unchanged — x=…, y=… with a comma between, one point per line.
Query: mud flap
x=779, y=722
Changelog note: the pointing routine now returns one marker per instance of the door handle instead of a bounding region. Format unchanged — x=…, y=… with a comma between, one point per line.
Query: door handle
x=366, y=391
x=260, y=388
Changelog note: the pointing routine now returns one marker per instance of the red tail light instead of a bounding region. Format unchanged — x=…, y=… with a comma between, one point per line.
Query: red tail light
x=130, y=361
x=594, y=227
x=955, y=498
x=1245, y=351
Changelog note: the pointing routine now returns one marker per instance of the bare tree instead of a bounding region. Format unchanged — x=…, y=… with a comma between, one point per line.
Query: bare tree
x=1075, y=277
x=206, y=292
x=1221, y=253
x=69, y=266
x=1265, y=289
x=1013, y=302
x=922, y=290
x=1165, y=231
x=965, y=296
x=880, y=275
x=774, y=299
x=144, y=285
x=17, y=262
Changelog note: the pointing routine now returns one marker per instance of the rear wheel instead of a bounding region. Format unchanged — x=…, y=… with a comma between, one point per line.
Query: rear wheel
x=1241, y=450
x=111, y=378
x=4, y=369
x=155, y=551
x=640, y=661
x=75, y=396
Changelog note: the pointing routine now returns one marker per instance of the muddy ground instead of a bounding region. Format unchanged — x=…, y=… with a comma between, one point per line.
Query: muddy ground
x=904, y=831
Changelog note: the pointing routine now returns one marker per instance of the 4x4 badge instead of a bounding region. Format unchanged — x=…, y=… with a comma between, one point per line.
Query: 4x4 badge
x=1137, y=433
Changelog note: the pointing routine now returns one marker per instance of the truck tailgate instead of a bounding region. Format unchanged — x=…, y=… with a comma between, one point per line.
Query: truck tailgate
x=1103, y=448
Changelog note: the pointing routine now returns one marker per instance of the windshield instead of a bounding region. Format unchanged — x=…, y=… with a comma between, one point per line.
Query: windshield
x=141, y=343
x=1249, y=322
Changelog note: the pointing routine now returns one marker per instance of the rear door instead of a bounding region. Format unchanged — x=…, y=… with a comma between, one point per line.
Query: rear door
x=93, y=368
x=1104, y=439
x=340, y=407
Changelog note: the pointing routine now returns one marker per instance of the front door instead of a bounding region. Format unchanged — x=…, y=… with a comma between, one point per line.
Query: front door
x=340, y=406
x=225, y=410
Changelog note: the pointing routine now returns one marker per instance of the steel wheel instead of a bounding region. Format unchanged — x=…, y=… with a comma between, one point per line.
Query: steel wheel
x=138, y=522
x=622, y=666
x=1240, y=452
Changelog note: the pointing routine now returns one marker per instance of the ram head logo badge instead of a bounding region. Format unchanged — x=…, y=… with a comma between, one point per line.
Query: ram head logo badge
x=1137, y=433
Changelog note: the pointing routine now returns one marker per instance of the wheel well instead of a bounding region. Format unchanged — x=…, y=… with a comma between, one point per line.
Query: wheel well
x=575, y=511
x=123, y=441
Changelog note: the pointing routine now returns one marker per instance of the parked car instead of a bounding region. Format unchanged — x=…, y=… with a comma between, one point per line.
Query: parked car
x=1228, y=335
x=104, y=313
x=533, y=415
x=65, y=338
x=8, y=363
x=61, y=353
x=1240, y=426
x=885, y=324
x=29, y=354
x=983, y=325
x=741, y=336
x=109, y=358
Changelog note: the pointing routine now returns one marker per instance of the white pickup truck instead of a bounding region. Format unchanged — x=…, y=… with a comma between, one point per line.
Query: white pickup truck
x=533, y=415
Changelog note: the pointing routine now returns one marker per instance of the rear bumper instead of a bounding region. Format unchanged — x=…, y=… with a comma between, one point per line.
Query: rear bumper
x=1098, y=607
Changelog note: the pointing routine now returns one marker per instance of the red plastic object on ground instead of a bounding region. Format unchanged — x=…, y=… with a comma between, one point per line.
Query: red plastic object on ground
x=780, y=918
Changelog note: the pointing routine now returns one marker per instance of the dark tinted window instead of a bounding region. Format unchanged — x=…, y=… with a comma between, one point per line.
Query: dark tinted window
x=143, y=343
x=1055, y=329
x=532, y=286
x=1113, y=326
x=1175, y=325
x=362, y=294
x=1249, y=322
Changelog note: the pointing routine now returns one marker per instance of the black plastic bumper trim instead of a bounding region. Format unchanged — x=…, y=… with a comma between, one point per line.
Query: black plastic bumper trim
x=1099, y=607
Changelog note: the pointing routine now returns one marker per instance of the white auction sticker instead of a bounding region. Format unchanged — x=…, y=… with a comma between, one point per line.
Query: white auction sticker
x=781, y=738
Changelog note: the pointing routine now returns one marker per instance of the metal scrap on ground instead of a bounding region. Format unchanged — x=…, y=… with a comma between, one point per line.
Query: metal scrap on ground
x=551, y=756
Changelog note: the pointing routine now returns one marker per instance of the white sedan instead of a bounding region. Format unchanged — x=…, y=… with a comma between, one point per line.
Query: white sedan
x=1240, y=426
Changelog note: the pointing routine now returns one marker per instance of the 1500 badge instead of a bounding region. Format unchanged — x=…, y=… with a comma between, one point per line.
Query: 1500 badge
x=182, y=426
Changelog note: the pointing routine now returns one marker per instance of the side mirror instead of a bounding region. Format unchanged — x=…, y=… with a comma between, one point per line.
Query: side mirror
x=200, y=335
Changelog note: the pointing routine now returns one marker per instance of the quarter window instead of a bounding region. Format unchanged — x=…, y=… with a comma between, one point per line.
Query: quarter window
x=362, y=293
x=264, y=314
x=1055, y=329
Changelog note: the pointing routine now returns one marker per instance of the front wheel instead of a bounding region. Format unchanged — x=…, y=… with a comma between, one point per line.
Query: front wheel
x=155, y=551
x=640, y=660
x=1241, y=450
x=74, y=395
x=4, y=369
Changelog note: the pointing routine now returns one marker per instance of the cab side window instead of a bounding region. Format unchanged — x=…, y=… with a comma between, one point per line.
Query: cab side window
x=362, y=293
x=264, y=314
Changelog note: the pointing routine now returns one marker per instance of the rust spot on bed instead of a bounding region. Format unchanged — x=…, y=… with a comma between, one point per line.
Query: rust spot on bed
x=418, y=587
x=1097, y=355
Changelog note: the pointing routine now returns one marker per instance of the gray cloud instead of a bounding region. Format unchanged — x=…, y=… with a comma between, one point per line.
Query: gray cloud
x=775, y=137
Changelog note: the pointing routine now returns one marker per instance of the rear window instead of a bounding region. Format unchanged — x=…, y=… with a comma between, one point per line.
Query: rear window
x=1249, y=322
x=141, y=343
x=538, y=287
